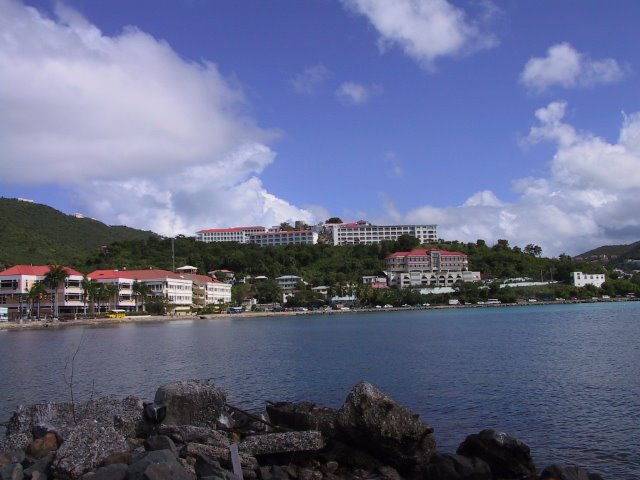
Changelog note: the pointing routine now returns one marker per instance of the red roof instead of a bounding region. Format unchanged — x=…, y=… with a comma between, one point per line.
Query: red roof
x=36, y=270
x=282, y=232
x=423, y=252
x=233, y=229
x=200, y=278
x=134, y=274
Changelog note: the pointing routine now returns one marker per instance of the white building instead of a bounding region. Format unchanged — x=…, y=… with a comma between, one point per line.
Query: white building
x=169, y=285
x=365, y=233
x=582, y=279
x=288, y=283
x=235, y=234
x=282, y=237
x=428, y=268
x=208, y=291
x=125, y=298
x=15, y=283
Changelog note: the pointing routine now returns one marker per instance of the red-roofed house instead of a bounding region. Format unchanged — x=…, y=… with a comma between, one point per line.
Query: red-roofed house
x=15, y=283
x=428, y=267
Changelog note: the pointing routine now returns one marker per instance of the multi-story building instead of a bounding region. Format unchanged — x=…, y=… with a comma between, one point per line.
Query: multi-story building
x=235, y=234
x=161, y=283
x=124, y=298
x=208, y=290
x=583, y=279
x=17, y=281
x=284, y=237
x=428, y=267
x=365, y=233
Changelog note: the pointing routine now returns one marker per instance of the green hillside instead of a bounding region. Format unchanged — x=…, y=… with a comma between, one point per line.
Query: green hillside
x=32, y=233
x=613, y=255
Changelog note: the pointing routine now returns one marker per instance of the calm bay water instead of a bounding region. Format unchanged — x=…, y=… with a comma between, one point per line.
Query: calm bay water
x=565, y=379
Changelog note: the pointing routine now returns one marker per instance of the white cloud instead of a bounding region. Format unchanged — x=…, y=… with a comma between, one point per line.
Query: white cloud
x=137, y=134
x=590, y=198
x=425, y=29
x=353, y=93
x=311, y=79
x=565, y=67
x=395, y=168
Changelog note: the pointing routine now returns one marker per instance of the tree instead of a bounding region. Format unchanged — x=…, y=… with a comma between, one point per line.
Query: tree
x=37, y=292
x=140, y=292
x=85, y=284
x=57, y=274
x=268, y=291
x=111, y=293
x=334, y=220
x=534, y=250
x=286, y=227
x=406, y=243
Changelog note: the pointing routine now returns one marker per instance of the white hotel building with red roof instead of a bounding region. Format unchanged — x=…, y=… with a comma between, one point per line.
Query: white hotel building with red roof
x=15, y=283
x=235, y=234
x=428, y=268
x=366, y=233
x=162, y=283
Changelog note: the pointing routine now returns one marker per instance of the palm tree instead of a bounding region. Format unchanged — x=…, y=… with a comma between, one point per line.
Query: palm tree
x=37, y=292
x=57, y=274
x=140, y=290
x=86, y=291
x=111, y=293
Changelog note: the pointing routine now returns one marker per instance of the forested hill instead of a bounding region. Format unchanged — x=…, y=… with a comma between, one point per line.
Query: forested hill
x=33, y=233
x=613, y=255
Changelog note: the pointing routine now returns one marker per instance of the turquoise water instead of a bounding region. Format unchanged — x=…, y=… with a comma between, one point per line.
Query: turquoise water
x=562, y=378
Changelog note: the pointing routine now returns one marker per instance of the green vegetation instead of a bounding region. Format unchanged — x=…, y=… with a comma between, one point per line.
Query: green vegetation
x=32, y=233
x=36, y=234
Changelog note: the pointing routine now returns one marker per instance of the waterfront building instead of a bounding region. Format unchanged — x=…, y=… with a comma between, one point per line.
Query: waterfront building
x=17, y=281
x=123, y=299
x=284, y=237
x=428, y=267
x=208, y=291
x=169, y=285
x=364, y=232
x=235, y=234
x=288, y=283
x=580, y=279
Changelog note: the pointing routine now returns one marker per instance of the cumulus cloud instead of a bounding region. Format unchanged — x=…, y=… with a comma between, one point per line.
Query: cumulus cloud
x=352, y=93
x=138, y=134
x=310, y=79
x=565, y=67
x=590, y=198
x=425, y=30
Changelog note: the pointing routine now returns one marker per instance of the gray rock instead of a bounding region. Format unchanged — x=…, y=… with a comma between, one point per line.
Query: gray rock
x=124, y=415
x=446, y=466
x=11, y=455
x=507, y=457
x=157, y=465
x=207, y=467
x=12, y=472
x=160, y=442
x=195, y=402
x=87, y=446
x=557, y=472
x=374, y=422
x=116, y=471
x=222, y=455
x=282, y=442
x=42, y=465
x=302, y=416
x=189, y=434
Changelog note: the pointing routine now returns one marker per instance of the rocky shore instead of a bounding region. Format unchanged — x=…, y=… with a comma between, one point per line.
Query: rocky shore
x=190, y=432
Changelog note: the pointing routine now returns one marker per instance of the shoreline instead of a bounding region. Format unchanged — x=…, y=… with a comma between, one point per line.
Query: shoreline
x=97, y=322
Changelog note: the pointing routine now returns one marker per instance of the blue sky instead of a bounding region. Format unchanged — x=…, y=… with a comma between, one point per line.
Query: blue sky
x=510, y=119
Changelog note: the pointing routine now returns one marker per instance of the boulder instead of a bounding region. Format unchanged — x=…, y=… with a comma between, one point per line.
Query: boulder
x=124, y=415
x=374, y=422
x=208, y=467
x=160, y=442
x=302, y=416
x=42, y=446
x=189, y=434
x=557, y=472
x=86, y=447
x=271, y=443
x=12, y=472
x=447, y=466
x=507, y=457
x=195, y=402
x=157, y=465
x=116, y=471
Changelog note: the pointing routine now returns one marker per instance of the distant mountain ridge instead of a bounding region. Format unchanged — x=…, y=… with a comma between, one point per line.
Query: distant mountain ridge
x=614, y=255
x=39, y=234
